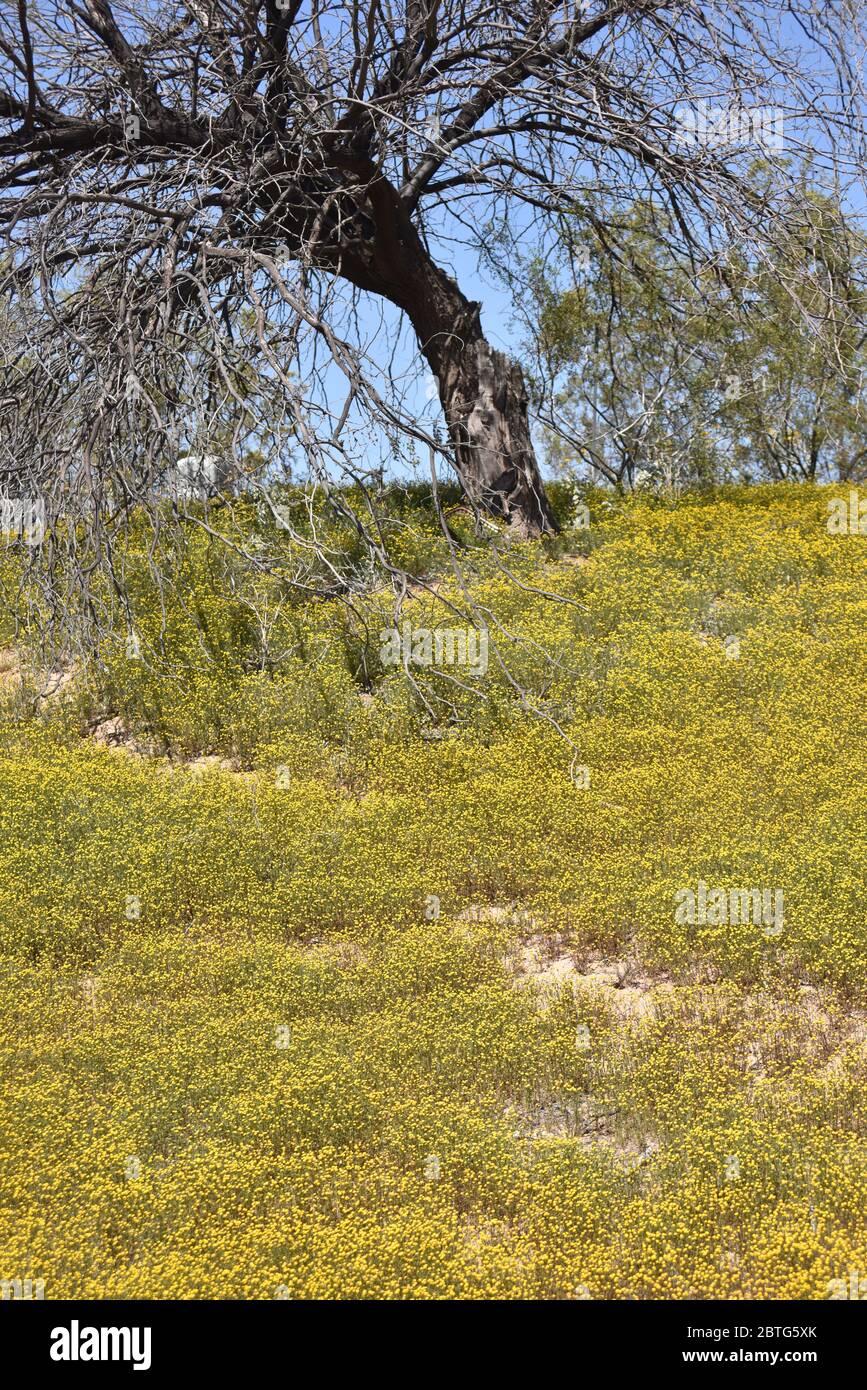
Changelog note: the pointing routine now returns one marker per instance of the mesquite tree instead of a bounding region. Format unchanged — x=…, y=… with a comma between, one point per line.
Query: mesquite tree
x=202, y=199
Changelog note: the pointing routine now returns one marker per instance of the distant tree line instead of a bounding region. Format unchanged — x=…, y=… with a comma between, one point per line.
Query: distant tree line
x=651, y=366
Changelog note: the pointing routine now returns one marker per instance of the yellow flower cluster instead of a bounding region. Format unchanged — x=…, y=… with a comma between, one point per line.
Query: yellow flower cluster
x=399, y=1006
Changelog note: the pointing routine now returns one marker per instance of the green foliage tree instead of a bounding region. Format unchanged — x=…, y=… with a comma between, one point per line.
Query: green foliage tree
x=652, y=366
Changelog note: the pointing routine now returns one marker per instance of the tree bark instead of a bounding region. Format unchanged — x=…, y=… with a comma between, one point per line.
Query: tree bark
x=483, y=394
x=484, y=400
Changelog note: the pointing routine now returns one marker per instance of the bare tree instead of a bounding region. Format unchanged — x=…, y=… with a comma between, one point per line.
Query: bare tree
x=202, y=198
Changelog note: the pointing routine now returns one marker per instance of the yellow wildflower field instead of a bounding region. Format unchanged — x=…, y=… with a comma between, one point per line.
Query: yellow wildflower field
x=317, y=986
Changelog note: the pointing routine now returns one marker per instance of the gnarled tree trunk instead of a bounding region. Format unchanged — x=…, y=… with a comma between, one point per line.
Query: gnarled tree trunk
x=484, y=400
x=483, y=394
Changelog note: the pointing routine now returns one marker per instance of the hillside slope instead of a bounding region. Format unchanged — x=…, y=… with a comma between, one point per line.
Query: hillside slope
x=415, y=989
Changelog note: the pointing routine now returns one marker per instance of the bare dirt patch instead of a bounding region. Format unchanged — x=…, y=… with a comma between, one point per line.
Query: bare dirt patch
x=544, y=963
